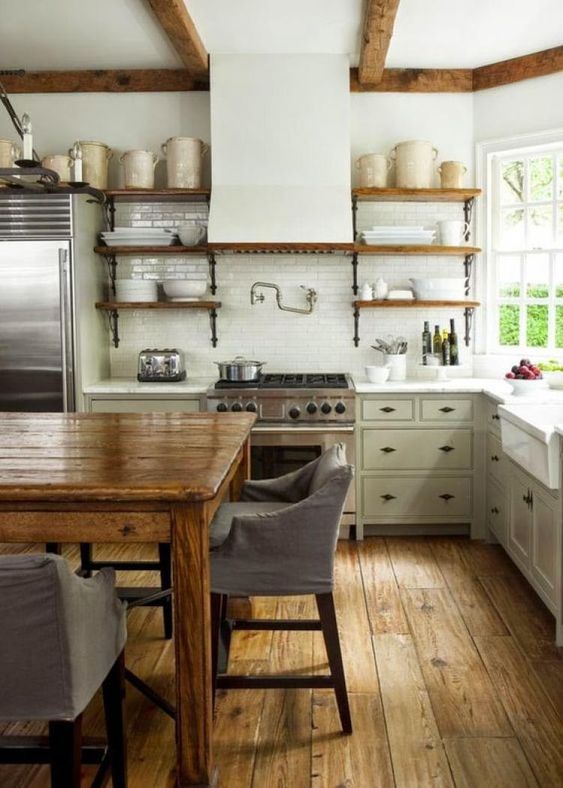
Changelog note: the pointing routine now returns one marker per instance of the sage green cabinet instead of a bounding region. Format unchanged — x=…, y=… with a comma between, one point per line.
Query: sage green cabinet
x=142, y=404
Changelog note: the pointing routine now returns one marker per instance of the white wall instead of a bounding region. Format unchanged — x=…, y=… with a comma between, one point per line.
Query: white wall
x=124, y=121
x=524, y=107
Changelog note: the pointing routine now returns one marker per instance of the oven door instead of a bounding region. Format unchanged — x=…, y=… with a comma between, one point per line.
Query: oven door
x=279, y=449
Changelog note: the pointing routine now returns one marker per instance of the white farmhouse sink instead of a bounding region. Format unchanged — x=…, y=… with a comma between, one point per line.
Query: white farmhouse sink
x=529, y=438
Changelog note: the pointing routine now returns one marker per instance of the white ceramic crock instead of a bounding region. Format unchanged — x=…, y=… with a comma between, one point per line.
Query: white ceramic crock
x=452, y=232
x=451, y=174
x=397, y=363
x=414, y=164
x=373, y=168
x=138, y=169
x=60, y=163
x=184, y=157
x=95, y=159
x=9, y=153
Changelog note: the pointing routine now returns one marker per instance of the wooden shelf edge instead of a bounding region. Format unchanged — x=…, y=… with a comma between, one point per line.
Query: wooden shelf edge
x=111, y=306
x=414, y=195
x=429, y=249
x=282, y=248
x=157, y=192
x=151, y=250
x=412, y=304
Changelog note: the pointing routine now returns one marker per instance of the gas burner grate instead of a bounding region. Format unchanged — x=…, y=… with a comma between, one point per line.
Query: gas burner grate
x=290, y=380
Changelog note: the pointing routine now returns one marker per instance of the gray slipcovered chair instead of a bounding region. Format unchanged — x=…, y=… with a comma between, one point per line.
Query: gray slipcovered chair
x=62, y=638
x=280, y=540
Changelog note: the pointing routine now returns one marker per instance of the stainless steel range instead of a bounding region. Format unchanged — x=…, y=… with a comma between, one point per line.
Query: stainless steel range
x=299, y=417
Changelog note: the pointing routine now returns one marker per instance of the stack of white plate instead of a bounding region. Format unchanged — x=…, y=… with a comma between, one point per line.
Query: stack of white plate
x=136, y=290
x=140, y=236
x=440, y=289
x=397, y=235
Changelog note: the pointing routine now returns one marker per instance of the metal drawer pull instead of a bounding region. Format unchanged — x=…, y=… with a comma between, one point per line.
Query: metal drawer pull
x=496, y=417
x=447, y=409
x=388, y=449
x=387, y=409
x=446, y=448
x=494, y=458
x=388, y=497
x=446, y=496
x=494, y=510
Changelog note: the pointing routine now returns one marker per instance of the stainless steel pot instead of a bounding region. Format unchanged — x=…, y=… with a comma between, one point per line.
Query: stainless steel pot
x=240, y=369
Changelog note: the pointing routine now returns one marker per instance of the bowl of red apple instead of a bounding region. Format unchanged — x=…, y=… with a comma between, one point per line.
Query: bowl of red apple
x=525, y=378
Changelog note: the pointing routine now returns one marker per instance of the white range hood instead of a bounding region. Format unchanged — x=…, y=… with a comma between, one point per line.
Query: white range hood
x=280, y=146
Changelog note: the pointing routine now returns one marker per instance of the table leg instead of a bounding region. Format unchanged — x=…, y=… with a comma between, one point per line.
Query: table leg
x=242, y=473
x=194, y=720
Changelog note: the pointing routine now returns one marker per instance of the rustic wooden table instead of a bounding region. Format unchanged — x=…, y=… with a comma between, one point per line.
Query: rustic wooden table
x=134, y=478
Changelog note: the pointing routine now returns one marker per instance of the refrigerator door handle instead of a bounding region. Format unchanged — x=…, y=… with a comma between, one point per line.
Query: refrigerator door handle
x=66, y=336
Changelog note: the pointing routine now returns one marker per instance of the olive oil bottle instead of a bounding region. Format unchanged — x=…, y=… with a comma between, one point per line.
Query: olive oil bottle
x=426, y=342
x=454, y=346
x=437, y=342
x=445, y=348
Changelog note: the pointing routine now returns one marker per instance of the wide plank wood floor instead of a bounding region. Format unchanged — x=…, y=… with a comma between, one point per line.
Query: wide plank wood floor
x=453, y=674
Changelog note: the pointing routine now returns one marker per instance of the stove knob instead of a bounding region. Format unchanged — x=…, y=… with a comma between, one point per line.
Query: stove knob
x=236, y=407
x=312, y=408
x=326, y=407
x=251, y=407
x=294, y=412
x=340, y=408
x=222, y=407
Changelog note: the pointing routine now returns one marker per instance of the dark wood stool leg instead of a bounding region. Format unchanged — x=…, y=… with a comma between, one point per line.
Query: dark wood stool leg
x=53, y=547
x=218, y=604
x=85, y=560
x=65, y=739
x=165, y=561
x=327, y=615
x=113, y=692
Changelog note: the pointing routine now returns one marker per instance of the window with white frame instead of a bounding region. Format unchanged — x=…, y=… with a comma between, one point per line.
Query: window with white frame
x=526, y=250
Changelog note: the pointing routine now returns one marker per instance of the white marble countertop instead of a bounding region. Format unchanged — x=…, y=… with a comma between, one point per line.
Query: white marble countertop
x=132, y=386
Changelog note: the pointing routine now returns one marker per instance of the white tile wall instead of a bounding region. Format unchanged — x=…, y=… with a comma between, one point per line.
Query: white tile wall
x=321, y=341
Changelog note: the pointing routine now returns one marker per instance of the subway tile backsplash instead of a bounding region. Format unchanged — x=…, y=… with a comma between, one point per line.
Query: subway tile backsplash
x=321, y=341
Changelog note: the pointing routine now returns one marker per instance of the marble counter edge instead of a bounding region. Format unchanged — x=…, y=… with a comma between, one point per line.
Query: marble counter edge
x=132, y=386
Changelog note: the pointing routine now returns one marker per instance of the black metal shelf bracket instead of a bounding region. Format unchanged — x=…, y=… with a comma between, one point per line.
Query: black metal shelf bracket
x=468, y=206
x=111, y=261
x=355, y=273
x=356, y=326
x=468, y=261
x=113, y=316
x=213, y=321
x=212, y=274
x=468, y=314
x=354, y=214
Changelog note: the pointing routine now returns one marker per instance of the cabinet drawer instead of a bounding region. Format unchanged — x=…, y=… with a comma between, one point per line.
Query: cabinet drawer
x=497, y=511
x=388, y=410
x=446, y=410
x=497, y=462
x=416, y=449
x=144, y=406
x=493, y=419
x=416, y=497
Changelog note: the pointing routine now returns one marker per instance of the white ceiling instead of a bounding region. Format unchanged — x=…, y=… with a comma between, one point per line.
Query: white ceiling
x=76, y=34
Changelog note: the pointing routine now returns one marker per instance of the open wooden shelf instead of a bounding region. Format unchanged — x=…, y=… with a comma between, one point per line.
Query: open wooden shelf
x=155, y=251
x=282, y=248
x=413, y=304
x=111, y=306
x=428, y=249
x=414, y=195
x=157, y=194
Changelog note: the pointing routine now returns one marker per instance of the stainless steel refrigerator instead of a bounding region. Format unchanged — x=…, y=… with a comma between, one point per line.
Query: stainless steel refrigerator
x=39, y=247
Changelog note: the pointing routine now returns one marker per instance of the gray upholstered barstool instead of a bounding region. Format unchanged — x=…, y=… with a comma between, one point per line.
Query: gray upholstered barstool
x=62, y=639
x=280, y=540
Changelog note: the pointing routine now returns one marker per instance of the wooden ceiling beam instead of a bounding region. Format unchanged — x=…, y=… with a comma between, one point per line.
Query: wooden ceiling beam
x=178, y=25
x=104, y=81
x=416, y=80
x=377, y=29
x=538, y=64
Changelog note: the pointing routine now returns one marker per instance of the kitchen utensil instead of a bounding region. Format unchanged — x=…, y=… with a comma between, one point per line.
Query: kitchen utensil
x=373, y=169
x=95, y=159
x=185, y=289
x=9, y=153
x=60, y=163
x=191, y=234
x=397, y=363
x=377, y=374
x=414, y=164
x=452, y=232
x=380, y=289
x=138, y=169
x=451, y=174
x=366, y=293
x=240, y=369
x=183, y=162
x=160, y=366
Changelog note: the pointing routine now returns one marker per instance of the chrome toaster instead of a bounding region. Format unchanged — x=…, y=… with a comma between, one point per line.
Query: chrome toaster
x=161, y=365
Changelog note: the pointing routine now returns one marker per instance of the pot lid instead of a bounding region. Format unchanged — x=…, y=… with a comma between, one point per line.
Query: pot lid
x=241, y=361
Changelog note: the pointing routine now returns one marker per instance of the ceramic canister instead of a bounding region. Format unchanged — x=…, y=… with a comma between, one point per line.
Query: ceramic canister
x=60, y=163
x=138, y=169
x=95, y=159
x=9, y=153
x=451, y=174
x=184, y=157
x=373, y=169
x=414, y=160
x=452, y=232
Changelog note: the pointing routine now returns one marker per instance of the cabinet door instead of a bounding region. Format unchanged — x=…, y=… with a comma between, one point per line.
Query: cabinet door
x=496, y=511
x=520, y=521
x=493, y=419
x=546, y=546
x=497, y=461
x=144, y=405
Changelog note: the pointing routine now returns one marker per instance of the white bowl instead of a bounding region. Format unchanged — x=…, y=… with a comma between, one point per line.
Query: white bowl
x=554, y=379
x=526, y=388
x=185, y=288
x=191, y=234
x=377, y=374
